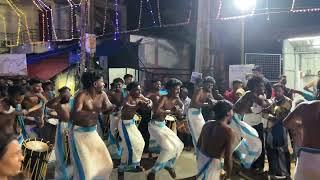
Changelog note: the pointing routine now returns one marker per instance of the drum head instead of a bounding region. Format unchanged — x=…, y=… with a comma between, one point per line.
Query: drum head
x=170, y=118
x=37, y=146
x=53, y=121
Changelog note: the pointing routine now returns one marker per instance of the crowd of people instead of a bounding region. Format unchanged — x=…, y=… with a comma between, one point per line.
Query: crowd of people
x=249, y=122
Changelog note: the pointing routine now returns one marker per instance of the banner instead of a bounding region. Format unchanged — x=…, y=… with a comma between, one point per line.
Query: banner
x=239, y=72
x=13, y=64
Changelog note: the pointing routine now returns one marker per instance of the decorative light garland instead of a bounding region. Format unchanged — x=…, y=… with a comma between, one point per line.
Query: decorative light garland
x=105, y=18
x=139, y=23
x=52, y=24
x=4, y=29
x=140, y=14
x=72, y=5
x=45, y=20
x=42, y=18
x=116, y=32
x=306, y=10
x=159, y=13
x=19, y=25
x=71, y=16
x=151, y=12
x=233, y=17
x=293, y=10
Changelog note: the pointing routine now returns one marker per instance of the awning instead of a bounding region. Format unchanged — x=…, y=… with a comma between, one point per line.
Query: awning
x=48, y=68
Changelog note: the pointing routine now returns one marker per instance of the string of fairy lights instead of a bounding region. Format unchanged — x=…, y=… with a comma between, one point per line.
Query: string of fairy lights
x=48, y=25
x=266, y=11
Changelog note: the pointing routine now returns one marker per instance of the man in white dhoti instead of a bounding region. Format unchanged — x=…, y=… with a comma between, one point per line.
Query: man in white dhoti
x=63, y=105
x=215, y=143
x=132, y=141
x=34, y=101
x=170, y=144
x=201, y=98
x=251, y=106
x=116, y=98
x=306, y=117
x=90, y=156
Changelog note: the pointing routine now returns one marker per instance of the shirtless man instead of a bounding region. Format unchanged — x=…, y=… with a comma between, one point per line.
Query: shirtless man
x=306, y=117
x=116, y=97
x=202, y=97
x=132, y=141
x=16, y=97
x=63, y=105
x=34, y=102
x=154, y=94
x=170, y=145
x=7, y=117
x=251, y=106
x=89, y=153
x=48, y=90
x=218, y=131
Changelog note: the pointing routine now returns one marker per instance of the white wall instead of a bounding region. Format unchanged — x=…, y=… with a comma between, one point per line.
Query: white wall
x=300, y=68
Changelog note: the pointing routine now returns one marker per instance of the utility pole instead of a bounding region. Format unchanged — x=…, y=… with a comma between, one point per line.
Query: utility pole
x=87, y=25
x=91, y=29
x=83, y=27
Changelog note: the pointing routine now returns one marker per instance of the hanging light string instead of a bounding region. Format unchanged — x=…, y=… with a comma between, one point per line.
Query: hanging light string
x=255, y=13
x=105, y=18
x=45, y=20
x=71, y=16
x=25, y=19
x=116, y=32
x=151, y=12
x=19, y=26
x=52, y=24
x=42, y=18
x=4, y=29
x=159, y=13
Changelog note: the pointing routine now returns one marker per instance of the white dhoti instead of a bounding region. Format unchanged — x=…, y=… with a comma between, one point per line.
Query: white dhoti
x=62, y=168
x=249, y=148
x=90, y=156
x=196, y=122
x=132, y=145
x=170, y=145
x=208, y=168
x=113, y=143
x=308, y=162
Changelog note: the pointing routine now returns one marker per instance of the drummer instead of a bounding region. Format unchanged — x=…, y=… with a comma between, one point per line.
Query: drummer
x=116, y=97
x=90, y=156
x=132, y=140
x=7, y=117
x=34, y=102
x=63, y=105
x=170, y=145
x=48, y=90
x=16, y=96
x=202, y=97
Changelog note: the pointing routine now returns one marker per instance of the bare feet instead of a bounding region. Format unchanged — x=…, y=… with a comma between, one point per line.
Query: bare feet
x=151, y=176
x=171, y=171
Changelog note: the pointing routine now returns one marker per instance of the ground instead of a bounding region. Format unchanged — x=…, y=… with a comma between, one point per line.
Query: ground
x=185, y=169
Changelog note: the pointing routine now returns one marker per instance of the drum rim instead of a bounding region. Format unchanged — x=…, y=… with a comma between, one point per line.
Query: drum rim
x=25, y=149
